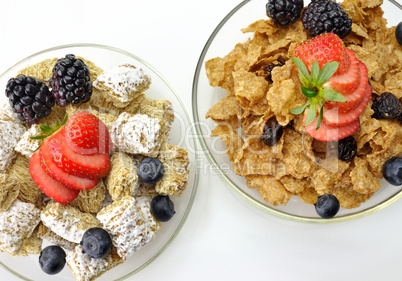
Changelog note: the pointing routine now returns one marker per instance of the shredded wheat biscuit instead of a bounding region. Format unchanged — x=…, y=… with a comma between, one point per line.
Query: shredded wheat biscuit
x=29, y=192
x=122, y=179
x=128, y=226
x=86, y=269
x=67, y=221
x=90, y=200
x=45, y=233
x=177, y=168
x=16, y=225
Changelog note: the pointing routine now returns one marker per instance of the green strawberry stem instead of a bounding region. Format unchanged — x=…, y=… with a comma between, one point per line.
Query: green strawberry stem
x=48, y=131
x=312, y=88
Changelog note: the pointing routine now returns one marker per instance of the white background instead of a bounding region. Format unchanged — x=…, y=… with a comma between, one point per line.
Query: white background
x=223, y=238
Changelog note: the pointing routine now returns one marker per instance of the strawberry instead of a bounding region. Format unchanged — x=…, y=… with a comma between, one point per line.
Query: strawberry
x=86, y=134
x=336, y=85
x=335, y=117
x=85, y=166
x=60, y=174
x=354, y=99
x=347, y=82
x=326, y=47
x=328, y=133
x=49, y=186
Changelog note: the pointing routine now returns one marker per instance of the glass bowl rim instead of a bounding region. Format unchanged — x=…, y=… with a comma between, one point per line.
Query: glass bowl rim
x=183, y=106
x=229, y=182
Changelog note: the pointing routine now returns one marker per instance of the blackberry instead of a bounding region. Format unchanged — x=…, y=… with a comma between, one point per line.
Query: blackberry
x=30, y=98
x=347, y=149
x=71, y=81
x=284, y=12
x=272, y=132
x=387, y=106
x=322, y=16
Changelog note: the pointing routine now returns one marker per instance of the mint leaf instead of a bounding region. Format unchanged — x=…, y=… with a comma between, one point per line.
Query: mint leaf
x=302, y=67
x=331, y=95
x=326, y=72
x=312, y=113
x=299, y=110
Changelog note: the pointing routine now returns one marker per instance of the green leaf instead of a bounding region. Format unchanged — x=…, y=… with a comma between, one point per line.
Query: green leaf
x=315, y=71
x=46, y=129
x=42, y=137
x=326, y=72
x=320, y=116
x=331, y=95
x=302, y=67
x=312, y=113
x=33, y=151
x=309, y=93
x=64, y=120
x=299, y=110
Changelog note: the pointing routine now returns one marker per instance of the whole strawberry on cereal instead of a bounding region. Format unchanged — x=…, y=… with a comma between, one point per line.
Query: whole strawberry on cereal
x=336, y=85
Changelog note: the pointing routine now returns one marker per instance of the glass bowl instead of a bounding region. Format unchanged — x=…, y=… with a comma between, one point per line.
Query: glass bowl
x=222, y=40
x=27, y=268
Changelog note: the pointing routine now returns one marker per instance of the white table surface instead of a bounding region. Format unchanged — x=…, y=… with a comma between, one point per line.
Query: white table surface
x=223, y=238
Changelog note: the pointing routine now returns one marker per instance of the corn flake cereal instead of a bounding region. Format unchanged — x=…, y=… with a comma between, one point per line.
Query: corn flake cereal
x=262, y=83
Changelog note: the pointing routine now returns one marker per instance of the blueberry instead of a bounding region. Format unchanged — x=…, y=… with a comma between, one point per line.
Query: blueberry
x=392, y=171
x=150, y=170
x=398, y=33
x=96, y=243
x=162, y=208
x=52, y=259
x=327, y=206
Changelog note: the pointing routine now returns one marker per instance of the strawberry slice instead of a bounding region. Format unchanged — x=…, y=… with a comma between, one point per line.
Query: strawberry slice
x=84, y=166
x=86, y=134
x=355, y=98
x=328, y=133
x=49, y=186
x=326, y=47
x=349, y=81
x=335, y=117
x=58, y=173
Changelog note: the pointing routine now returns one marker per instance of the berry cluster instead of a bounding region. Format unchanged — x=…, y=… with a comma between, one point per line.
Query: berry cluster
x=326, y=16
x=29, y=98
x=71, y=81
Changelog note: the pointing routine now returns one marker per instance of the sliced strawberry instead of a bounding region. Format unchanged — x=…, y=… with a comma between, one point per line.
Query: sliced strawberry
x=84, y=166
x=335, y=117
x=49, y=186
x=326, y=47
x=349, y=81
x=328, y=133
x=58, y=173
x=86, y=134
x=355, y=98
